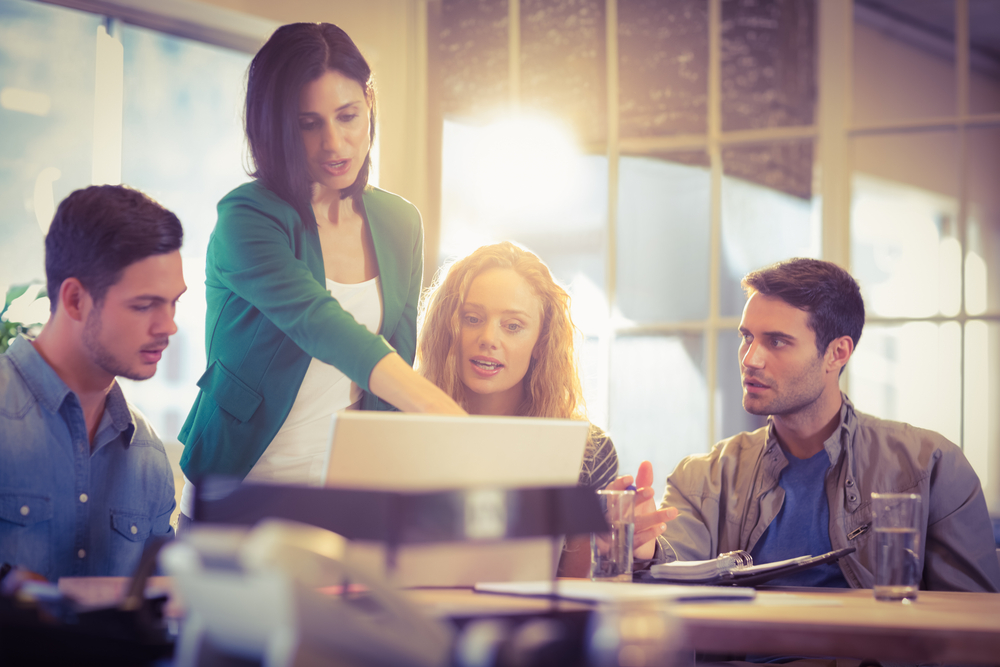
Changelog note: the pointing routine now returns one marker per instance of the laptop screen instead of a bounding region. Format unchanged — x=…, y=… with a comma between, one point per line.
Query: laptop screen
x=417, y=452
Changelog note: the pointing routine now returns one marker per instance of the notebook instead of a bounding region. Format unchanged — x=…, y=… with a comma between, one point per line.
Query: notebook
x=393, y=451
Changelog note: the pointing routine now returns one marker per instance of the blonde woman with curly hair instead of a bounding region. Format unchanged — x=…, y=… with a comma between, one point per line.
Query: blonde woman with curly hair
x=497, y=337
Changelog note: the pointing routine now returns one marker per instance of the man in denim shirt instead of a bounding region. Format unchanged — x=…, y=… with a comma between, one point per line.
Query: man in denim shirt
x=84, y=481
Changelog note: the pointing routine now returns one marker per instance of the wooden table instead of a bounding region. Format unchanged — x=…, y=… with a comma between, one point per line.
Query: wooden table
x=938, y=627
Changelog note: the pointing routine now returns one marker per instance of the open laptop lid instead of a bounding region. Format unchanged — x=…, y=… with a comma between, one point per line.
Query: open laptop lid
x=414, y=452
x=417, y=452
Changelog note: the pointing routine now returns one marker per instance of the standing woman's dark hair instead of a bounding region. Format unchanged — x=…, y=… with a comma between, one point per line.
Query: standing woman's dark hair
x=295, y=55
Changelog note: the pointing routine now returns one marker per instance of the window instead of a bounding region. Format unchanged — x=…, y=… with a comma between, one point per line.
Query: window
x=180, y=137
x=713, y=137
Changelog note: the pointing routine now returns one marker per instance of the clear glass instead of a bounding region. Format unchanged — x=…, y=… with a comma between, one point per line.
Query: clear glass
x=563, y=63
x=981, y=435
x=658, y=401
x=904, y=60
x=905, y=249
x=183, y=145
x=982, y=259
x=472, y=54
x=896, y=519
x=47, y=73
x=662, y=67
x=730, y=417
x=663, y=239
x=768, y=213
x=768, y=63
x=984, y=56
x=611, y=552
x=910, y=373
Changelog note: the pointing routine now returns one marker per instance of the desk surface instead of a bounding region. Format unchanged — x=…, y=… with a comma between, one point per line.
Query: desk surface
x=938, y=627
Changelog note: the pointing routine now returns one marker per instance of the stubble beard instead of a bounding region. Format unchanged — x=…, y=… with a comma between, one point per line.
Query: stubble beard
x=803, y=392
x=100, y=355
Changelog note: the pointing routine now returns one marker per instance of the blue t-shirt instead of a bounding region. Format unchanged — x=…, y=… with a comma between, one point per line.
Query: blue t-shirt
x=802, y=526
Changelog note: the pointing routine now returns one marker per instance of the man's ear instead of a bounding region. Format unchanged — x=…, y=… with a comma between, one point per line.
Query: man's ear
x=839, y=352
x=74, y=299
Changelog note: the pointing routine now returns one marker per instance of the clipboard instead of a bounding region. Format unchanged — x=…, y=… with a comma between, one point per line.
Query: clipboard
x=736, y=578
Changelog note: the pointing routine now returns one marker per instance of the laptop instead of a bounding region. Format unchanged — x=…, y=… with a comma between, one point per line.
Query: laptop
x=392, y=451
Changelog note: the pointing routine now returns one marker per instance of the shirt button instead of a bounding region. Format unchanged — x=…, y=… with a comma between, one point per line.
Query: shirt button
x=81, y=553
x=852, y=497
x=83, y=497
x=134, y=529
x=25, y=510
x=850, y=482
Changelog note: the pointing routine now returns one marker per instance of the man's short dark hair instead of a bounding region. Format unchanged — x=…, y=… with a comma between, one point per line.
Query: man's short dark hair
x=828, y=293
x=97, y=232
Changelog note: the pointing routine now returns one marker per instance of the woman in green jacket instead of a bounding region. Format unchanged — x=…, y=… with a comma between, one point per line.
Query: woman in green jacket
x=312, y=276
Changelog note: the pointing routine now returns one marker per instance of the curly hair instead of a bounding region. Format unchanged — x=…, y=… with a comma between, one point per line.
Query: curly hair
x=552, y=383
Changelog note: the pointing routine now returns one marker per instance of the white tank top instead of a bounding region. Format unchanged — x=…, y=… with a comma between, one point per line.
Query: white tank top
x=298, y=451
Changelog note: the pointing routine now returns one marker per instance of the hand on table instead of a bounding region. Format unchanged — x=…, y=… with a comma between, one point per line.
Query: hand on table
x=650, y=522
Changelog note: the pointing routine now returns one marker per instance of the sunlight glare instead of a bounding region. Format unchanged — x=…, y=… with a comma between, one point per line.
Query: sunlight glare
x=526, y=166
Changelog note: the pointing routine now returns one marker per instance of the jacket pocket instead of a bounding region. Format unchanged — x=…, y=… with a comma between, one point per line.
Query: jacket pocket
x=229, y=392
x=24, y=509
x=133, y=526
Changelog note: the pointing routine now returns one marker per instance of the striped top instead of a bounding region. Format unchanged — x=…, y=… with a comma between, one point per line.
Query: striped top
x=600, y=461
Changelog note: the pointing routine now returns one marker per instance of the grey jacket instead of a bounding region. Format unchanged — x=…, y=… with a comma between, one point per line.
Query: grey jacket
x=728, y=497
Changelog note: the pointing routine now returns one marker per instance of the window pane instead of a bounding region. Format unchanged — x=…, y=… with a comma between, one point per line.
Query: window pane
x=984, y=56
x=659, y=401
x=182, y=144
x=768, y=63
x=905, y=251
x=662, y=67
x=982, y=395
x=563, y=63
x=982, y=261
x=768, y=213
x=47, y=65
x=730, y=417
x=904, y=59
x=663, y=235
x=910, y=373
x=554, y=203
x=472, y=51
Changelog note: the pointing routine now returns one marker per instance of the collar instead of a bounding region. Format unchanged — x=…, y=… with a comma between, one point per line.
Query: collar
x=51, y=392
x=43, y=382
x=838, y=441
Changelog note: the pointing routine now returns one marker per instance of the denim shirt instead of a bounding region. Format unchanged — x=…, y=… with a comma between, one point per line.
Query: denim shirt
x=67, y=509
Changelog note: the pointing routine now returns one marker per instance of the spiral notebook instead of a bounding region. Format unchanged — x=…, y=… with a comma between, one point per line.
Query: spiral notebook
x=734, y=568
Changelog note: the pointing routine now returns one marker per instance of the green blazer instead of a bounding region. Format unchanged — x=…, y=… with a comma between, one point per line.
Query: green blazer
x=269, y=313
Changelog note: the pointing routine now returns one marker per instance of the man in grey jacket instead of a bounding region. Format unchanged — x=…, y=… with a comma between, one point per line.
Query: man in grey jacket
x=803, y=483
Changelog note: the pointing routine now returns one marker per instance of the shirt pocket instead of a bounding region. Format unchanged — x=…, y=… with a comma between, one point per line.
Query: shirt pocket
x=133, y=526
x=24, y=509
x=25, y=530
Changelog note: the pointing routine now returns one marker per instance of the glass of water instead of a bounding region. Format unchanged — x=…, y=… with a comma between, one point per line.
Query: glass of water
x=611, y=552
x=896, y=518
